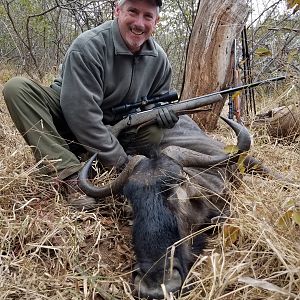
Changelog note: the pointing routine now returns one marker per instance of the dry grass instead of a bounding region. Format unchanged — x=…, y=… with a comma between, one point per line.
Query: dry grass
x=49, y=251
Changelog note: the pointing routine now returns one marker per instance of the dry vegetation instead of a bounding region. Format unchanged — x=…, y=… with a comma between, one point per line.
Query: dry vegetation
x=49, y=251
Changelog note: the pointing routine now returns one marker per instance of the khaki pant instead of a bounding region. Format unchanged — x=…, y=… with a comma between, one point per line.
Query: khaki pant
x=36, y=112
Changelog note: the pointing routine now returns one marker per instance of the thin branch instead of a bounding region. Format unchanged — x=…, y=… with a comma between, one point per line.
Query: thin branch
x=273, y=6
x=285, y=28
x=184, y=16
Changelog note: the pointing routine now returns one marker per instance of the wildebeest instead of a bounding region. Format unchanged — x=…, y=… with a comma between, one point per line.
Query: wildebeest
x=172, y=194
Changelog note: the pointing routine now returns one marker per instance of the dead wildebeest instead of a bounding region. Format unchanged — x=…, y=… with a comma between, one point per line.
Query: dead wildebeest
x=172, y=194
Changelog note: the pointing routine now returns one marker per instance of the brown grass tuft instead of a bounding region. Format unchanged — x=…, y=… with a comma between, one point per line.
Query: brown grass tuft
x=49, y=251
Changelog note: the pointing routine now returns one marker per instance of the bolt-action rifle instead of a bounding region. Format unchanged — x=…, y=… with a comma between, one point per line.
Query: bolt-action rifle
x=139, y=113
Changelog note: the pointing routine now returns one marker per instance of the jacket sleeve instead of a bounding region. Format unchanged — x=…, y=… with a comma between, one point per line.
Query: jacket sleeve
x=81, y=99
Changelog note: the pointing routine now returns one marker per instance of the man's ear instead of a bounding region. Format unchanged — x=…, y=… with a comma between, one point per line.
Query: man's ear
x=157, y=20
x=117, y=10
x=155, y=24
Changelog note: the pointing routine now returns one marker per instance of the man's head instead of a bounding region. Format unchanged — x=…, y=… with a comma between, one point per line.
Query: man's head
x=137, y=20
x=157, y=2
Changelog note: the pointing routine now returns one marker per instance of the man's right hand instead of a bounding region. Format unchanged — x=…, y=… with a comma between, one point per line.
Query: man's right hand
x=166, y=118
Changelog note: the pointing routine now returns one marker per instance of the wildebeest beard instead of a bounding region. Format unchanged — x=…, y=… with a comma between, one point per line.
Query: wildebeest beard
x=151, y=190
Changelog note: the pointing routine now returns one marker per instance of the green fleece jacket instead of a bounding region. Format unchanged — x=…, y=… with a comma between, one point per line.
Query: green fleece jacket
x=99, y=73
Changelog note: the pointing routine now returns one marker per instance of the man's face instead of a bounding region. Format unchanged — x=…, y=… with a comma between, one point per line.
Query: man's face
x=137, y=20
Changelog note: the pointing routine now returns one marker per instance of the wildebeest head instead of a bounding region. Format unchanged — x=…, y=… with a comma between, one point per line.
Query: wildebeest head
x=163, y=212
x=150, y=189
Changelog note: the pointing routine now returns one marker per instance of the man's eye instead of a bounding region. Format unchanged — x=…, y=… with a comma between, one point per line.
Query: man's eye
x=132, y=11
x=149, y=17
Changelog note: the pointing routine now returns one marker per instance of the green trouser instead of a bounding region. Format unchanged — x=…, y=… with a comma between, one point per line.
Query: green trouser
x=37, y=114
x=143, y=140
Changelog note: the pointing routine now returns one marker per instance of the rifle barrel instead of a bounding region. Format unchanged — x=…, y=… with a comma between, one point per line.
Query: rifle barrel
x=251, y=85
x=238, y=88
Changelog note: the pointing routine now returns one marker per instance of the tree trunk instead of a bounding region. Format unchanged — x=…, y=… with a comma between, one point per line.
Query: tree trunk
x=209, y=65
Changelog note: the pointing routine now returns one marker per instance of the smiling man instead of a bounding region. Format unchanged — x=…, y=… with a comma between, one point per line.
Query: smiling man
x=137, y=21
x=115, y=63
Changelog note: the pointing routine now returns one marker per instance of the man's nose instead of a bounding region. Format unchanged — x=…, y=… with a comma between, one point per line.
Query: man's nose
x=139, y=22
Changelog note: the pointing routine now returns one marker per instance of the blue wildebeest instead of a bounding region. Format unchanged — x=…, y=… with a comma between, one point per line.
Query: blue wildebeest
x=172, y=194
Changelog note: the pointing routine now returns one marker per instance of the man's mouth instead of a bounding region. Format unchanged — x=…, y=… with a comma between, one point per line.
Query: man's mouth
x=136, y=32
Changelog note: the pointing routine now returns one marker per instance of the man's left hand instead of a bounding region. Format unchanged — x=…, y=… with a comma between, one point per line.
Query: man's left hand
x=166, y=118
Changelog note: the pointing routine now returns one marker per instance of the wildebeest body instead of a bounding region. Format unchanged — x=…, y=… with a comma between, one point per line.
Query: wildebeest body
x=173, y=194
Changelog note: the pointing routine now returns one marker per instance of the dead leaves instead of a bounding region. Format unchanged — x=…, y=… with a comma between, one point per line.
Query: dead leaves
x=233, y=149
x=289, y=218
x=293, y=4
x=231, y=234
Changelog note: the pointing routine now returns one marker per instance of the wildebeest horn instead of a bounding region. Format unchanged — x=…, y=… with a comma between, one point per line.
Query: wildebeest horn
x=191, y=158
x=242, y=133
x=112, y=187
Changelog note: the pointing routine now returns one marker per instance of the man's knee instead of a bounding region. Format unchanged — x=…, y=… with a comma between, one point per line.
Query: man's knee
x=149, y=135
x=13, y=88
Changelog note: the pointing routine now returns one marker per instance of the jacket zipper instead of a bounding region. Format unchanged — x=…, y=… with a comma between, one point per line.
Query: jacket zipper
x=134, y=61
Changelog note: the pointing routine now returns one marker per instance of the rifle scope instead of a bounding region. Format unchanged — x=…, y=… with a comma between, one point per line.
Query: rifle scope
x=166, y=98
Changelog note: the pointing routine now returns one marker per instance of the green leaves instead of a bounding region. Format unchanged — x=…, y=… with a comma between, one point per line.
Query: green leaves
x=263, y=52
x=231, y=149
x=296, y=217
x=241, y=163
x=2, y=10
x=292, y=55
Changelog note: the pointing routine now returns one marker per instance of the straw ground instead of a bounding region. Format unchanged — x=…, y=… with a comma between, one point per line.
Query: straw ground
x=49, y=251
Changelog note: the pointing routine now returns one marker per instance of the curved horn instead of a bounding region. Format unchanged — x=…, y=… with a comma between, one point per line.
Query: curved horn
x=242, y=133
x=191, y=158
x=112, y=187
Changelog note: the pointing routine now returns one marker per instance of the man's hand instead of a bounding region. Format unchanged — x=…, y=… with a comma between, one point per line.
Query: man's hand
x=166, y=118
x=120, y=167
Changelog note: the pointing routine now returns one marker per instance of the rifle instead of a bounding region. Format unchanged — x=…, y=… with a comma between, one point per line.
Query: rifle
x=169, y=100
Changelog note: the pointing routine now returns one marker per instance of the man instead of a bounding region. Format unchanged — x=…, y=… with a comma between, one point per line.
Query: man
x=115, y=63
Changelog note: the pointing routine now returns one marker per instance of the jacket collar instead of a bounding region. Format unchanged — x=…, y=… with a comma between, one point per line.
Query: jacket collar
x=148, y=49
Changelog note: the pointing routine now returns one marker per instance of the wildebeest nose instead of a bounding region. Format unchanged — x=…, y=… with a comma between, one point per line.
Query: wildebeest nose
x=154, y=285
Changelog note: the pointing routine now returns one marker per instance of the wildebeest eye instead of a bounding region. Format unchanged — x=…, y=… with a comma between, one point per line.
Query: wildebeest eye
x=174, y=176
x=169, y=181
